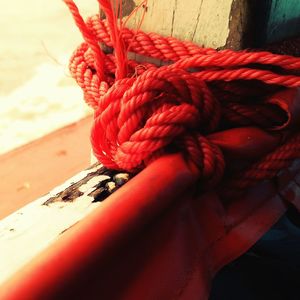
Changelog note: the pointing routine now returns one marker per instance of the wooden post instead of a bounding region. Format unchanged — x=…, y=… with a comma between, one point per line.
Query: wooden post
x=211, y=23
x=234, y=24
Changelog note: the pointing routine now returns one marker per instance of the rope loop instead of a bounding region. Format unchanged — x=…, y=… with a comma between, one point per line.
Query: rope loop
x=139, y=117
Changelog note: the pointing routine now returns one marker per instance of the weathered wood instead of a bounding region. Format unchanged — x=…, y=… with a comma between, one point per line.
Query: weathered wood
x=234, y=24
x=33, y=228
x=211, y=23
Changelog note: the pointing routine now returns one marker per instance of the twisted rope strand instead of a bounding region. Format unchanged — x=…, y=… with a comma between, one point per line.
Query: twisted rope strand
x=266, y=168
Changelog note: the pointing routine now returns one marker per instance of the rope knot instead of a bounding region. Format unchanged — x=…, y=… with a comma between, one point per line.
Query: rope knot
x=141, y=118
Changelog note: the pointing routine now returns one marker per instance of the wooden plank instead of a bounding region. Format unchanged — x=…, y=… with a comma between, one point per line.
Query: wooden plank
x=32, y=170
x=37, y=225
x=34, y=227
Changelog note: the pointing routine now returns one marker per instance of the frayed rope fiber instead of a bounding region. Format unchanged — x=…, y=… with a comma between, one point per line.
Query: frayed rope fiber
x=143, y=111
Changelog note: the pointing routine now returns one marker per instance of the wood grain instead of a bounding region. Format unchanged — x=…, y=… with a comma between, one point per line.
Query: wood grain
x=205, y=22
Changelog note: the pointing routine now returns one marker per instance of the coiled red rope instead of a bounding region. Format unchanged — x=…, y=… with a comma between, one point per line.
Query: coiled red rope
x=143, y=111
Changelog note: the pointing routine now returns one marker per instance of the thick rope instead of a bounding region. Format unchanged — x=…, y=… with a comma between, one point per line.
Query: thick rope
x=266, y=168
x=143, y=111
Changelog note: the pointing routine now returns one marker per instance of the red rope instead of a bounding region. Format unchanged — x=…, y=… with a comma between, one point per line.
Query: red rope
x=266, y=168
x=143, y=111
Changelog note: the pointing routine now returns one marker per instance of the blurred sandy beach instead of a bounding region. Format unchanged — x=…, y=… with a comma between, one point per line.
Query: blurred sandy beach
x=37, y=94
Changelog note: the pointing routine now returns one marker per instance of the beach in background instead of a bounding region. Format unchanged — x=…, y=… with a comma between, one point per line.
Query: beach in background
x=37, y=94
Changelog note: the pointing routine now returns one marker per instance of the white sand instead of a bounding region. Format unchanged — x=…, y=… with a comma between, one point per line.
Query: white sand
x=37, y=94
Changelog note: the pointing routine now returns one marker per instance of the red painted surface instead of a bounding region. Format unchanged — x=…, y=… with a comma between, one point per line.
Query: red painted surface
x=34, y=169
x=155, y=238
